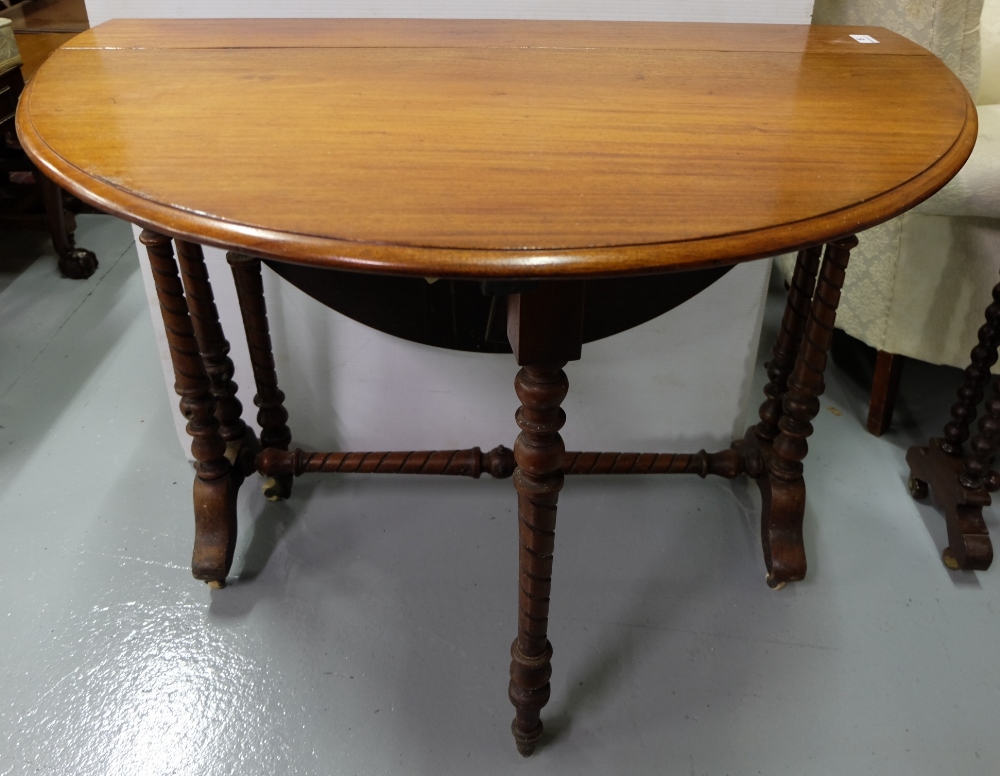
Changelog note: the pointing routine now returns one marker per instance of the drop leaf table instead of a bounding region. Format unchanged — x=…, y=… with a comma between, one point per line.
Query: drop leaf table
x=540, y=159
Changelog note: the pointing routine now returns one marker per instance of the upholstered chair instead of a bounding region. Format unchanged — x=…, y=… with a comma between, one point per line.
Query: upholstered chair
x=918, y=284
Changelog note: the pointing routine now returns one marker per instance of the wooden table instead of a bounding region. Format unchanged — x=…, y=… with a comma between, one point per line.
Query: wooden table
x=534, y=156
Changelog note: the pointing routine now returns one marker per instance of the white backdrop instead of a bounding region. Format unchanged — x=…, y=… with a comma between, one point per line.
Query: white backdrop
x=679, y=382
x=774, y=11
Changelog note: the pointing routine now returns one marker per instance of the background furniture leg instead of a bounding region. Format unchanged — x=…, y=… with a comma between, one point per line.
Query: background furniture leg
x=885, y=388
x=960, y=487
x=781, y=484
x=214, y=488
x=75, y=263
x=977, y=374
x=969, y=544
x=272, y=415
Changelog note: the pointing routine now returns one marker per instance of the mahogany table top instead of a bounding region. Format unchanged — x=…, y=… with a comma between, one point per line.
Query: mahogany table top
x=497, y=148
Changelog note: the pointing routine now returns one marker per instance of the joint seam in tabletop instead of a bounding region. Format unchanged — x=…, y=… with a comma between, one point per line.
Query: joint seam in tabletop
x=448, y=48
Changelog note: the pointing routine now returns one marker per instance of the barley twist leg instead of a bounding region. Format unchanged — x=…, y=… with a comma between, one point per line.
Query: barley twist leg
x=214, y=489
x=272, y=415
x=783, y=488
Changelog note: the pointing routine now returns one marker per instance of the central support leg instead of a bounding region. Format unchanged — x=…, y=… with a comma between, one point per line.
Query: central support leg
x=545, y=331
x=539, y=452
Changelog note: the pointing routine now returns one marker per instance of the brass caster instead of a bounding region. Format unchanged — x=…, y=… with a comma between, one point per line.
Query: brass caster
x=216, y=584
x=918, y=488
x=771, y=583
x=949, y=559
x=274, y=489
x=233, y=449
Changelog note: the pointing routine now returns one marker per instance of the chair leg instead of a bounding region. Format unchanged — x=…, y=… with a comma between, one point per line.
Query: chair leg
x=885, y=388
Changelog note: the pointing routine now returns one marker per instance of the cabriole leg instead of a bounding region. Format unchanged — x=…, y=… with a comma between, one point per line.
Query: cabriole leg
x=214, y=489
x=272, y=415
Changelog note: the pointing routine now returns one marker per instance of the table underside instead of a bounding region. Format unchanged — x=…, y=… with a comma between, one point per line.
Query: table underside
x=544, y=327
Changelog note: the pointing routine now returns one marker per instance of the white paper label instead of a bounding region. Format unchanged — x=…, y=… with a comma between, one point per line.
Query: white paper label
x=864, y=39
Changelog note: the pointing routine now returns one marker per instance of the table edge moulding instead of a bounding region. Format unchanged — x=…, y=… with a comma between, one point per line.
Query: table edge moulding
x=650, y=186
x=371, y=252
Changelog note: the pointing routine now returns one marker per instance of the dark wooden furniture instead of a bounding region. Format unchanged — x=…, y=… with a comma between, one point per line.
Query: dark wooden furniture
x=885, y=389
x=529, y=155
x=47, y=15
x=30, y=200
x=955, y=470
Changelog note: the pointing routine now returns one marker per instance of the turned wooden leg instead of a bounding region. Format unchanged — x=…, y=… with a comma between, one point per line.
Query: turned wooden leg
x=213, y=345
x=75, y=263
x=885, y=388
x=969, y=545
x=538, y=479
x=782, y=487
x=786, y=348
x=977, y=374
x=214, y=489
x=960, y=486
x=272, y=415
x=545, y=331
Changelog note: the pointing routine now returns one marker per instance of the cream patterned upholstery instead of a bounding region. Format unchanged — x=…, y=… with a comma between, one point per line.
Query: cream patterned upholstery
x=918, y=285
x=9, y=55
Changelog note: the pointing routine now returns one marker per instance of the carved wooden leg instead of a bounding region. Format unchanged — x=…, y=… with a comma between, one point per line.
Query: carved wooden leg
x=213, y=346
x=781, y=484
x=885, y=387
x=214, y=489
x=977, y=374
x=538, y=479
x=786, y=348
x=960, y=487
x=969, y=545
x=545, y=331
x=75, y=263
x=272, y=415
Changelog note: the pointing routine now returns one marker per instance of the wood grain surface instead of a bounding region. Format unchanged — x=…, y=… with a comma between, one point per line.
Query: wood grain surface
x=497, y=149
x=36, y=47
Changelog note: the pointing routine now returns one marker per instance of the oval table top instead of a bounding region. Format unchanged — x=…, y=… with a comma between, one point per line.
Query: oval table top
x=517, y=149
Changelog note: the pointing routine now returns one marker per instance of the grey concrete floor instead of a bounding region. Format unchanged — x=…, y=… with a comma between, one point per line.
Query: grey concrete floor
x=367, y=627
